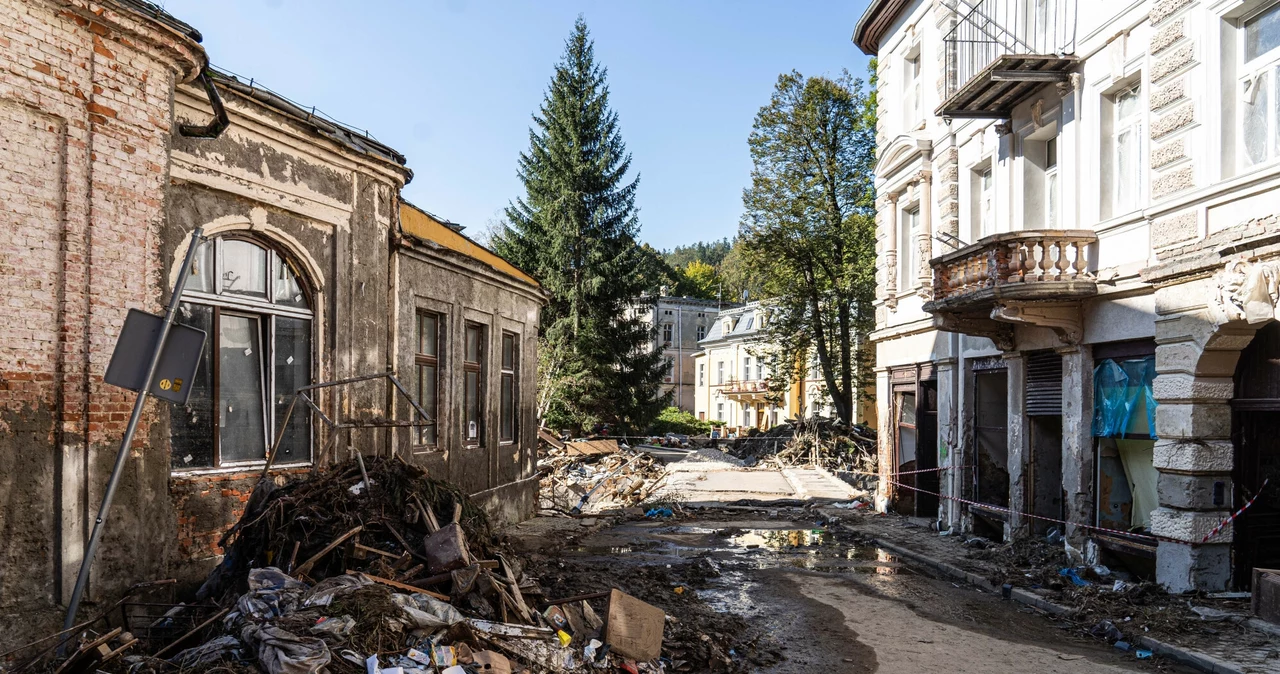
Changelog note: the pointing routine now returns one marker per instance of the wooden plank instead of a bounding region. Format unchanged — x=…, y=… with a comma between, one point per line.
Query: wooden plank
x=633, y=629
x=384, y=553
x=428, y=517
x=592, y=447
x=1266, y=594
x=550, y=438
x=398, y=585
x=195, y=630
x=515, y=590
x=306, y=566
x=79, y=658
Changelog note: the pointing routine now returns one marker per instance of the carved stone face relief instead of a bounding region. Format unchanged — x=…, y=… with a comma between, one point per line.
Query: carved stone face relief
x=1247, y=291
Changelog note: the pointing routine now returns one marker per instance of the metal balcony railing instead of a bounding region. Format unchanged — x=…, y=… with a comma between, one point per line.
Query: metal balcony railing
x=1006, y=41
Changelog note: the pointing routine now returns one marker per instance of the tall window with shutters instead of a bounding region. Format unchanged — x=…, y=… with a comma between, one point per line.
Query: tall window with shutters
x=427, y=362
x=473, y=385
x=510, y=394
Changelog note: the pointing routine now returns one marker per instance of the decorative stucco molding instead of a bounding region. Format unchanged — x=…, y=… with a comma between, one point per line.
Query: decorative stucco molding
x=1247, y=291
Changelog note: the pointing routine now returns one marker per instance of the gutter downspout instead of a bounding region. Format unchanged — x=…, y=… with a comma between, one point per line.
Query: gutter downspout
x=220, y=121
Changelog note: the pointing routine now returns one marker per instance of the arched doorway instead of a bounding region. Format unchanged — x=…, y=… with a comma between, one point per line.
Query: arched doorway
x=1255, y=435
x=257, y=312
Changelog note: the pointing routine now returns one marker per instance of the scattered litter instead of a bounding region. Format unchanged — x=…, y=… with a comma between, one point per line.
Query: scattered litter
x=1142, y=653
x=1074, y=576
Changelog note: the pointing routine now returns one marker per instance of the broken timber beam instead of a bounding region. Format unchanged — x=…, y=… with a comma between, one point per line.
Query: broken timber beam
x=306, y=566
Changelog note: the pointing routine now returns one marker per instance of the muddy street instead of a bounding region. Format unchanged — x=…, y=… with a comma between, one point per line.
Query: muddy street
x=773, y=591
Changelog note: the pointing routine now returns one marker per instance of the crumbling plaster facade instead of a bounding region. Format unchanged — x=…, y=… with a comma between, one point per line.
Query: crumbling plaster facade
x=1158, y=260
x=85, y=97
x=102, y=193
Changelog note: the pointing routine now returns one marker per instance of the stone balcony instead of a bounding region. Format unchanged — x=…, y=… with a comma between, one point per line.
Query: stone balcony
x=748, y=390
x=1034, y=277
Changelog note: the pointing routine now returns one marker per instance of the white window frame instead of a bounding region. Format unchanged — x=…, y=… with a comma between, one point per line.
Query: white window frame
x=1265, y=69
x=909, y=248
x=1134, y=125
x=912, y=68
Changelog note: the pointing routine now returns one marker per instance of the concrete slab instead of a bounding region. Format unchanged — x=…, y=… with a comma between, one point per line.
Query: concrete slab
x=700, y=480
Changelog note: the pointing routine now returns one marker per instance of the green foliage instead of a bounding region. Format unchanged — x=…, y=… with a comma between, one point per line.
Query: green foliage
x=575, y=231
x=676, y=420
x=809, y=230
x=709, y=252
x=701, y=279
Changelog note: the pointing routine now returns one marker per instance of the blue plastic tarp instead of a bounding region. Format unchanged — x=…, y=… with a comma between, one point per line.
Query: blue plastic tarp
x=1120, y=390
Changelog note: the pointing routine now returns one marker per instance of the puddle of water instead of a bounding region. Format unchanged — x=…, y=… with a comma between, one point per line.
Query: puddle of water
x=781, y=540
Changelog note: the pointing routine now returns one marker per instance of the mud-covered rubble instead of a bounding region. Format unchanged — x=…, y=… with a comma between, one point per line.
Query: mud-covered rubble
x=597, y=476
x=1105, y=601
x=372, y=566
x=826, y=443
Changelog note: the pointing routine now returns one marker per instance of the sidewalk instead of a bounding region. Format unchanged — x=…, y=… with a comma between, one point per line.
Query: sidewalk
x=1161, y=623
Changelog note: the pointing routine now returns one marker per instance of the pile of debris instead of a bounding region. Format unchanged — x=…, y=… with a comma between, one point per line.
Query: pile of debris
x=594, y=476
x=1110, y=603
x=354, y=569
x=826, y=443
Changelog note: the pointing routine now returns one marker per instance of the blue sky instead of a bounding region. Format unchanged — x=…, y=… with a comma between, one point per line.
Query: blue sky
x=452, y=84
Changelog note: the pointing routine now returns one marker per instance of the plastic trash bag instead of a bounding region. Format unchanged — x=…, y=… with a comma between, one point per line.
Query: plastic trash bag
x=272, y=593
x=329, y=589
x=281, y=652
x=216, y=650
x=336, y=627
x=427, y=612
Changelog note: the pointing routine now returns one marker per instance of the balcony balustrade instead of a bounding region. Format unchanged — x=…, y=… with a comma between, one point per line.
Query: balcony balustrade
x=1035, y=277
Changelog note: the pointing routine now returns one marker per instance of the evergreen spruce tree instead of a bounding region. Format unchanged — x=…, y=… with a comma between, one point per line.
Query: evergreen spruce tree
x=575, y=231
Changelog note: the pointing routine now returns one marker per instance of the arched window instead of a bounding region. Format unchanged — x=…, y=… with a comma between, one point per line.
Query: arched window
x=257, y=314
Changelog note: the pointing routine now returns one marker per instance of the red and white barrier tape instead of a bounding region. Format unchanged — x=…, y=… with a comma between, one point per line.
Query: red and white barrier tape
x=1237, y=513
x=910, y=472
x=1047, y=519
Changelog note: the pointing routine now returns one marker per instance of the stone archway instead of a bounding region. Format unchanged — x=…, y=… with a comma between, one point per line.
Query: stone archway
x=1198, y=348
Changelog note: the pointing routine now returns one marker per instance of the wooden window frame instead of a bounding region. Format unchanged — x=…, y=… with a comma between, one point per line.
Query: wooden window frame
x=421, y=360
x=476, y=367
x=509, y=374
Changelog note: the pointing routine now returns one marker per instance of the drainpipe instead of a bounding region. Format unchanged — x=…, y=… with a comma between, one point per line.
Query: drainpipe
x=219, y=123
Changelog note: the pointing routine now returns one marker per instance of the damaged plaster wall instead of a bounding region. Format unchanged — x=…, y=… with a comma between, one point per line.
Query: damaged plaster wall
x=460, y=289
x=85, y=96
x=326, y=209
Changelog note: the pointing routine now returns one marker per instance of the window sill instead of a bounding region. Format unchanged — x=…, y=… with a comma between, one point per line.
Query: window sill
x=238, y=468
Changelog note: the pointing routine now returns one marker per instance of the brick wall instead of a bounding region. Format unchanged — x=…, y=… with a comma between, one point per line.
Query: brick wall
x=85, y=94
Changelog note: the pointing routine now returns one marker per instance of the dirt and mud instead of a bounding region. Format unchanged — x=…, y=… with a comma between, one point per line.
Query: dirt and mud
x=773, y=591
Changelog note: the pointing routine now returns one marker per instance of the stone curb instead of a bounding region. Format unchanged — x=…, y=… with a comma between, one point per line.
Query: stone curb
x=1196, y=659
x=1201, y=661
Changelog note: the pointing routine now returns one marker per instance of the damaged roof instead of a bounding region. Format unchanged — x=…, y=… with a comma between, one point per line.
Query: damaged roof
x=423, y=226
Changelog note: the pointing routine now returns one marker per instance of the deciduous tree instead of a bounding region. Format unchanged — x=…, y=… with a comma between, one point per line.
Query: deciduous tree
x=809, y=231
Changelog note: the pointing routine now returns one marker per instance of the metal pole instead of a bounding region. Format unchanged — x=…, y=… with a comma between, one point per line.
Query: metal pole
x=138, y=404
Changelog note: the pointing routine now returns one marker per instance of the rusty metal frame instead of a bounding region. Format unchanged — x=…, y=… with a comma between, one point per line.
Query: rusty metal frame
x=335, y=427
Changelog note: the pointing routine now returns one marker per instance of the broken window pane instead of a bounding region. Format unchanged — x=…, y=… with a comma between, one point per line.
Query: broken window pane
x=285, y=287
x=202, y=270
x=292, y=362
x=241, y=413
x=1255, y=120
x=191, y=425
x=244, y=269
